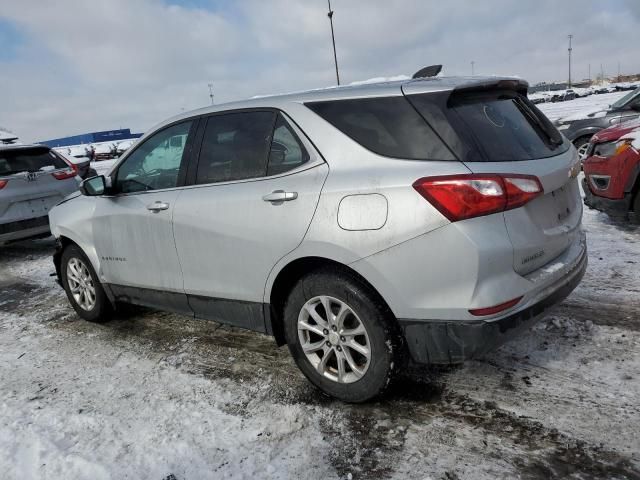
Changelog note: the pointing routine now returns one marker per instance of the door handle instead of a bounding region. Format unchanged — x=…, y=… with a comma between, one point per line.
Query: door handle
x=279, y=196
x=156, y=206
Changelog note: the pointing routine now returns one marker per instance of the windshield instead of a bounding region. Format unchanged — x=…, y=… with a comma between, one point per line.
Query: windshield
x=28, y=160
x=626, y=99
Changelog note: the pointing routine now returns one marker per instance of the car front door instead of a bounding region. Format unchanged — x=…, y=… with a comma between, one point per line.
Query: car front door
x=132, y=227
x=257, y=186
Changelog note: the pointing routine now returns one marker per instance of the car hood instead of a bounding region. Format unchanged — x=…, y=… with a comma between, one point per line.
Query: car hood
x=585, y=114
x=615, y=132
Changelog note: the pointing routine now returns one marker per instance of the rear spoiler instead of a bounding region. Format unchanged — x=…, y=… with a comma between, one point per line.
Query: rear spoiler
x=515, y=84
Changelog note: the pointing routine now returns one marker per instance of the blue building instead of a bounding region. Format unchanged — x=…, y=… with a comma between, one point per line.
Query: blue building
x=94, y=137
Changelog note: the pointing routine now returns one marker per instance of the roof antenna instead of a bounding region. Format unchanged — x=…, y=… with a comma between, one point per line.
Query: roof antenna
x=426, y=72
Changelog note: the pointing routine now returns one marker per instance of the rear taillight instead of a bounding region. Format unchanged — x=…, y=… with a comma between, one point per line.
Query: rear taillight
x=65, y=173
x=459, y=197
x=3, y=183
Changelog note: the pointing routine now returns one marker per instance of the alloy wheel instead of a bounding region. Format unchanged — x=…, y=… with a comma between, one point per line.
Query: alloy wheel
x=334, y=339
x=582, y=150
x=81, y=284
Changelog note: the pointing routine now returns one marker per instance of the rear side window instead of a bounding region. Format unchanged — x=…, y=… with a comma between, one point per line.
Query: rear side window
x=235, y=147
x=493, y=126
x=388, y=126
x=287, y=152
x=29, y=160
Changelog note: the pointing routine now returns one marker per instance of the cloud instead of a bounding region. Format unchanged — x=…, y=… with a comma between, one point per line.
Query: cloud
x=83, y=66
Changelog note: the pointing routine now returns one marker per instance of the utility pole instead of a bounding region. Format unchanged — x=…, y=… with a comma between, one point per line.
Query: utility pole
x=589, y=74
x=473, y=64
x=570, y=49
x=333, y=39
x=211, y=92
x=602, y=73
x=618, y=72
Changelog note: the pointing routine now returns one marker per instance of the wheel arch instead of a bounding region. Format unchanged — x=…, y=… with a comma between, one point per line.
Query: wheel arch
x=62, y=243
x=287, y=278
x=585, y=132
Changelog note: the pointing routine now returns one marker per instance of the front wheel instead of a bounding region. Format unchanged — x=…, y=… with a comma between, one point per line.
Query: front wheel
x=84, y=291
x=341, y=335
x=582, y=145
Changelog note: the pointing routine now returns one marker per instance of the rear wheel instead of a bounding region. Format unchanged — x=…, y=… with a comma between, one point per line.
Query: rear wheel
x=341, y=335
x=84, y=291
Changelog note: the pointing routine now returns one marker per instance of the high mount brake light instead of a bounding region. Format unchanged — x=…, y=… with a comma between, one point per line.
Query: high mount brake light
x=459, y=197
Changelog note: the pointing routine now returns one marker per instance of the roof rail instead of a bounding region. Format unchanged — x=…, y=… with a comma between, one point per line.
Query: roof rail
x=426, y=72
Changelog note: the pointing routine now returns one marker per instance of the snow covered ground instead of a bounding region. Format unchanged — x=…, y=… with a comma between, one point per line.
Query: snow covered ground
x=150, y=395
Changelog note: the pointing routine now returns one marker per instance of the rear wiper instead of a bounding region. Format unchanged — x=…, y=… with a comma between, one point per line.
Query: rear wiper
x=524, y=108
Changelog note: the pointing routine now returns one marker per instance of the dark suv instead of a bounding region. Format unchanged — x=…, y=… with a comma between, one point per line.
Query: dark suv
x=580, y=127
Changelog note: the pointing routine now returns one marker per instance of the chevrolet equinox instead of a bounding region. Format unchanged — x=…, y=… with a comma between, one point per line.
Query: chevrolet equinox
x=424, y=220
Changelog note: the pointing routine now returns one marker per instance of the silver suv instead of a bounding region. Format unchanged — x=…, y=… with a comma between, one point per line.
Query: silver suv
x=33, y=178
x=366, y=226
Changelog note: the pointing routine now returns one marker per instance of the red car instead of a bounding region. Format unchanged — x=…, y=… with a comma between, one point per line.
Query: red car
x=612, y=171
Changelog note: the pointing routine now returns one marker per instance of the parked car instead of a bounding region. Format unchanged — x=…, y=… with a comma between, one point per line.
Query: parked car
x=563, y=96
x=124, y=145
x=424, y=220
x=81, y=161
x=7, y=138
x=104, y=151
x=612, y=171
x=580, y=127
x=33, y=178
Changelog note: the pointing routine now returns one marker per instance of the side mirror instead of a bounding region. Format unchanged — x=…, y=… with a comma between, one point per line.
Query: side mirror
x=94, y=186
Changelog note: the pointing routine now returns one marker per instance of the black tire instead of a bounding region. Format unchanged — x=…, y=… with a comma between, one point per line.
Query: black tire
x=102, y=309
x=634, y=214
x=384, y=339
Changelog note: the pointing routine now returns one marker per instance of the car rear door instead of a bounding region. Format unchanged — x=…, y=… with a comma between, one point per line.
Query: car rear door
x=258, y=182
x=132, y=227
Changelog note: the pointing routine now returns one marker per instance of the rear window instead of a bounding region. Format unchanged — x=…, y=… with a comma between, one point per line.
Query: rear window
x=388, y=126
x=28, y=160
x=493, y=126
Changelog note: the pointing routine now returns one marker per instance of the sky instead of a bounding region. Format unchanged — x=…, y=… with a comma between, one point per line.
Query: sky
x=72, y=66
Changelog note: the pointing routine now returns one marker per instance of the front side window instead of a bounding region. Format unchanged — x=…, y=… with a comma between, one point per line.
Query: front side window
x=629, y=99
x=287, y=152
x=235, y=147
x=155, y=164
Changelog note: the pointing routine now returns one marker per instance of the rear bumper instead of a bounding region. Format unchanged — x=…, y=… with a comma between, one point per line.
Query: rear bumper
x=451, y=342
x=22, y=229
x=614, y=207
